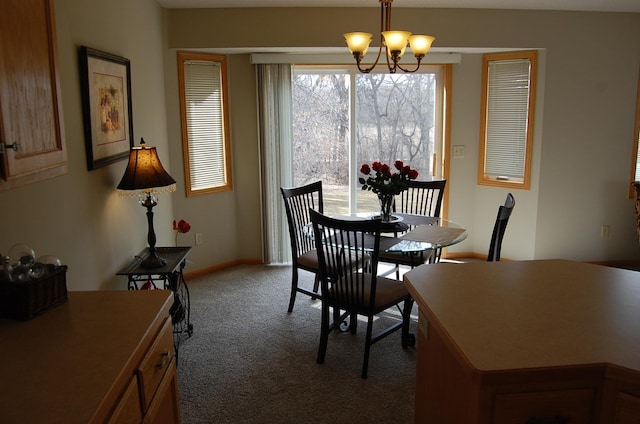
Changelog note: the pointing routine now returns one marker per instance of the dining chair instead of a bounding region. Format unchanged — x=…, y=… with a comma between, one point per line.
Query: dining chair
x=420, y=198
x=349, y=282
x=504, y=212
x=297, y=202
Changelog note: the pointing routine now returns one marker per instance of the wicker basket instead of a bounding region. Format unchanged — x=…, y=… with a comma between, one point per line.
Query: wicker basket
x=27, y=299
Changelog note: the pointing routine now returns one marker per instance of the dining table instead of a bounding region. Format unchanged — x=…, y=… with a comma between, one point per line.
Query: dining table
x=411, y=233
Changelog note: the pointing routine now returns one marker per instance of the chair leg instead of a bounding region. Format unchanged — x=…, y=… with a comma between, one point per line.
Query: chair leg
x=294, y=287
x=316, y=285
x=367, y=347
x=324, y=334
x=406, y=322
x=353, y=323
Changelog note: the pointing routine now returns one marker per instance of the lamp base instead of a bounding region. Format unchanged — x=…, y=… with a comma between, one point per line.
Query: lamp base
x=153, y=261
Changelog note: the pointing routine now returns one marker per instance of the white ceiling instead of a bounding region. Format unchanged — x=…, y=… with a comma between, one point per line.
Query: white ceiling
x=584, y=5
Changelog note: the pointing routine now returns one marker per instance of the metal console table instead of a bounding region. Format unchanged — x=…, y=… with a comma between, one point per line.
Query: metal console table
x=172, y=278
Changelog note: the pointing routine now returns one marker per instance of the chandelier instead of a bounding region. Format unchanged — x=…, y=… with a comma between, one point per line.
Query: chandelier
x=394, y=42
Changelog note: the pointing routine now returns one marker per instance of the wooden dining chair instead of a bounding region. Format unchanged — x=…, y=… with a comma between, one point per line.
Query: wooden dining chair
x=348, y=258
x=420, y=198
x=504, y=212
x=297, y=202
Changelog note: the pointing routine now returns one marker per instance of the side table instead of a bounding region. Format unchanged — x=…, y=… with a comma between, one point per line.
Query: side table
x=172, y=278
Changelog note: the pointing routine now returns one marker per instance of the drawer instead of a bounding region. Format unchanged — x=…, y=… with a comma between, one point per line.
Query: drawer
x=575, y=405
x=155, y=363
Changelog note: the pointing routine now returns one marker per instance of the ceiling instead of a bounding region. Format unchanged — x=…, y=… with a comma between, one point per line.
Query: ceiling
x=582, y=5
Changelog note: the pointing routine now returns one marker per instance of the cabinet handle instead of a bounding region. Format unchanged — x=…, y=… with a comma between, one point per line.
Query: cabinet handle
x=548, y=420
x=166, y=358
x=5, y=146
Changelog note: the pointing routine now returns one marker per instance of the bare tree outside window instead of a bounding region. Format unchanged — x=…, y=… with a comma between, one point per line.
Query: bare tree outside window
x=395, y=118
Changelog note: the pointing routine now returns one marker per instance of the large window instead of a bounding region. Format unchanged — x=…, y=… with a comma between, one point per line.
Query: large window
x=342, y=119
x=205, y=122
x=506, y=129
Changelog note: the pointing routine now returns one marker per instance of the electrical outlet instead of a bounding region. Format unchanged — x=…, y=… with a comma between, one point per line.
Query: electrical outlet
x=198, y=239
x=604, y=231
x=458, y=151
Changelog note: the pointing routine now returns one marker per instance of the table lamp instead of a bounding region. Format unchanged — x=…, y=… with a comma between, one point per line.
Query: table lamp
x=146, y=175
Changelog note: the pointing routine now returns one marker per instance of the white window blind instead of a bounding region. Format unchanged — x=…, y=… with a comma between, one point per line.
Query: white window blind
x=508, y=89
x=205, y=124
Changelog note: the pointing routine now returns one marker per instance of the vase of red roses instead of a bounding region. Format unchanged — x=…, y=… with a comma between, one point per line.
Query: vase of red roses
x=386, y=184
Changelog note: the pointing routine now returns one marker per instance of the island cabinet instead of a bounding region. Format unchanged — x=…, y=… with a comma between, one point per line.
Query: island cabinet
x=30, y=102
x=527, y=342
x=101, y=357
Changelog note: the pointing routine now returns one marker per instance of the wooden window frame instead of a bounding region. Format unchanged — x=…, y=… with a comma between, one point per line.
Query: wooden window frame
x=222, y=61
x=636, y=140
x=484, y=178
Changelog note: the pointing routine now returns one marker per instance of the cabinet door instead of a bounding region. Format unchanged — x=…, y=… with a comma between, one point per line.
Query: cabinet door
x=165, y=407
x=628, y=410
x=561, y=406
x=30, y=104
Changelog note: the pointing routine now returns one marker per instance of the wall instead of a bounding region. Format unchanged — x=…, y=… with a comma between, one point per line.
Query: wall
x=79, y=217
x=584, y=119
x=584, y=133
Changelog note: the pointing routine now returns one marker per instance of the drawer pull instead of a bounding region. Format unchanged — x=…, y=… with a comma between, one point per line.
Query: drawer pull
x=166, y=358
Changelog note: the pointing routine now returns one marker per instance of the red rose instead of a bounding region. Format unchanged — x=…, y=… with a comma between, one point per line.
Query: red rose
x=384, y=169
x=365, y=169
x=413, y=174
x=399, y=165
x=181, y=226
x=376, y=166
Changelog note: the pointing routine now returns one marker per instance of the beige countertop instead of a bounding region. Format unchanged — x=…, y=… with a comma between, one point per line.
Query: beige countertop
x=532, y=314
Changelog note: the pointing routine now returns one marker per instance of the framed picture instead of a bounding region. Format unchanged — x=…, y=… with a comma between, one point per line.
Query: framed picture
x=106, y=105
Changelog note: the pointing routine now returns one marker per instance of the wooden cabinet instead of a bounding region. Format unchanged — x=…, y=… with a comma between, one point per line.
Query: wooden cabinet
x=102, y=357
x=526, y=342
x=30, y=102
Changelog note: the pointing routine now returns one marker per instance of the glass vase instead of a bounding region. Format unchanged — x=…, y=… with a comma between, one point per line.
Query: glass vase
x=386, y=202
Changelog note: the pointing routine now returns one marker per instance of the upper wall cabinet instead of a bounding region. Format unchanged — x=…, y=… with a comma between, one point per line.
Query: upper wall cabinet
x=30, y=103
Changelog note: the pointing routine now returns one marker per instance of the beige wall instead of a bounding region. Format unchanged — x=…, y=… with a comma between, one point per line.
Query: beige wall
x=584, y=132
x=584, y=120
x=78, y=216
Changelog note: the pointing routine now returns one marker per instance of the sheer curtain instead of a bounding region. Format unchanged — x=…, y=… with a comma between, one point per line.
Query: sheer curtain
x=274, y=103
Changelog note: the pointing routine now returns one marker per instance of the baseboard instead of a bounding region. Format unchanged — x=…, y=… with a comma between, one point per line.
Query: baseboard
x=219, y=267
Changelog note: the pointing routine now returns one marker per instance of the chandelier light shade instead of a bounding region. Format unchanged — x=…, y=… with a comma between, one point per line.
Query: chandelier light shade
x=394, y=42
x=146, y=176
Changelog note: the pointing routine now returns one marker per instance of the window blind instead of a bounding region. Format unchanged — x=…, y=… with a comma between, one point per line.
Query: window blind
x=205, y=124
x=508, y=90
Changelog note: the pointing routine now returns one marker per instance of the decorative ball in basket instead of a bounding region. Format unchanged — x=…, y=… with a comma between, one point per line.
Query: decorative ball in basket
x=30, y=286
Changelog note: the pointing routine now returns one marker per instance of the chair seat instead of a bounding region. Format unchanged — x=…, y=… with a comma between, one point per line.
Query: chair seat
x=388, y=291
x=309, y=260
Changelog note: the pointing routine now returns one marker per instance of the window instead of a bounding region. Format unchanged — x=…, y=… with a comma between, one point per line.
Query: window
x=635, y=165
x=205, y=122
x=506, y=128
x=342, y=119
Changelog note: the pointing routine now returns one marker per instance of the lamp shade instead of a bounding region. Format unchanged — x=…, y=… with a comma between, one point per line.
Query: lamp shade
x=144, y=171
x=358, y=42
x=396, y=41
x=420, y=44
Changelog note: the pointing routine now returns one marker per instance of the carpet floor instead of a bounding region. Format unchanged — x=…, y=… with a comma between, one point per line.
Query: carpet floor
x=249, y=361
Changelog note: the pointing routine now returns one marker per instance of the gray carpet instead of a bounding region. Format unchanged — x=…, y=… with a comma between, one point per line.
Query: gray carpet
x=249, y=361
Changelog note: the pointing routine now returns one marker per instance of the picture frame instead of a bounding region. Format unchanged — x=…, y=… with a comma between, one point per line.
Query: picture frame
x=106, y=105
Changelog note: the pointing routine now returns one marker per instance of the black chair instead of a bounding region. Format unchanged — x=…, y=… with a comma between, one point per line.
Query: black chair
x=504, y=212
x=297, y=202
x=420, y=198
x=348, y=258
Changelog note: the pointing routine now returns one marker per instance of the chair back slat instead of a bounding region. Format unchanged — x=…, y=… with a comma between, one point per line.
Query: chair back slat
x=298, y=201
x=422, y=198
x=348, y=260
x=504, y=212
